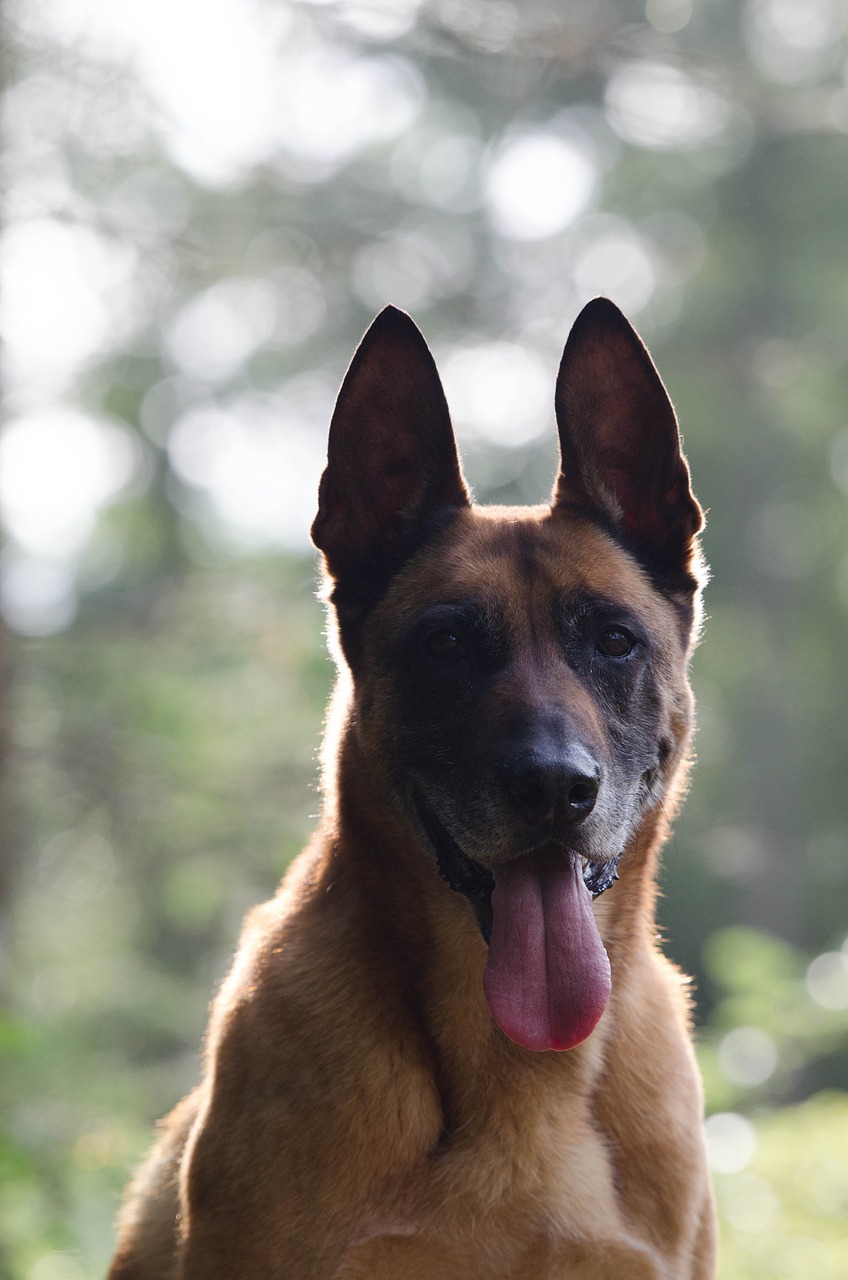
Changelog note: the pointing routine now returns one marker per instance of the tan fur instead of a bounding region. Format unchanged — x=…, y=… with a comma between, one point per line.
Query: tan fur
x=361, y=1116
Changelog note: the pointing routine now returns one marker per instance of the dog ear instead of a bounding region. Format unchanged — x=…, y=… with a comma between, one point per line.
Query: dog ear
x=392, y=458
x=619, y=440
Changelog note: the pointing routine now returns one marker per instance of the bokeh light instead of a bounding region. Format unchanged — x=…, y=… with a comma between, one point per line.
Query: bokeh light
x=258, y=460
x=657, y=105
x=536, y=184
x=748, y=1056
x=731, y=1142
x=498, y=391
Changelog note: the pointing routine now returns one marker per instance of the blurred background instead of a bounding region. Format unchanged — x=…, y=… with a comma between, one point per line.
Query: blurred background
x=206, y=203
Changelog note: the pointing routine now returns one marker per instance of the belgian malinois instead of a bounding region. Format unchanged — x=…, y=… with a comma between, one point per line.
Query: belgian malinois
x=440, y=1053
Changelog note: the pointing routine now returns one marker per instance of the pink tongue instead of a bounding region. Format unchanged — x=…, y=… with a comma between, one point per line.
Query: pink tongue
x=547, y=980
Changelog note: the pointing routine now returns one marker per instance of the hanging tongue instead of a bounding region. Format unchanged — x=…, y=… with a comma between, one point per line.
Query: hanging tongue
x=547, y=979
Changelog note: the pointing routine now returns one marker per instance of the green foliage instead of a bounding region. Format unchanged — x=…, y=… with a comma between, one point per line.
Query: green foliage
x=785, y=1215
x=762, y=986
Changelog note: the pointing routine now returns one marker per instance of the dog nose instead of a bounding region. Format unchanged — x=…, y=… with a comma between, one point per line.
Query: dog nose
x=542, y=786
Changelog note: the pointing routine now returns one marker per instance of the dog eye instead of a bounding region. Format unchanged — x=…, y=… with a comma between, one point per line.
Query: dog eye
x=444, y=645
x=615, y=642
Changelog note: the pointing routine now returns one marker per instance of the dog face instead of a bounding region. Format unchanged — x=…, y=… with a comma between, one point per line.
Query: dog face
x=519, y=675
x=520, y=680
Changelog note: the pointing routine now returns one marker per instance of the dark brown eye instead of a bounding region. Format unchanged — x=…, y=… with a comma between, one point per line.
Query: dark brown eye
x=444, y=645
x=615, y=642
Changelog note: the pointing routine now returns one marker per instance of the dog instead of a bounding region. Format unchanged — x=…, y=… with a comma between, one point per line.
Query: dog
x=450, y=1047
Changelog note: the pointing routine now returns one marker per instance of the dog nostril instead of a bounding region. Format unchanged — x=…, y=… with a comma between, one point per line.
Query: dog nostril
x=530, y=795
x=581, y=798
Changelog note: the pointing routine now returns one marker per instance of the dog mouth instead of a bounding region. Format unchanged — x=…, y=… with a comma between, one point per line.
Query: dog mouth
x=476, y=882
x=547, y=978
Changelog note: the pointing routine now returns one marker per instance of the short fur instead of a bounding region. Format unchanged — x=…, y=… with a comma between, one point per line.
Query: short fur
x=362, y=1116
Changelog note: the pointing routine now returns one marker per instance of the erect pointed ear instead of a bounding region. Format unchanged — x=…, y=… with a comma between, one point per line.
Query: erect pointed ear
x=619, y=441
x=392, y=462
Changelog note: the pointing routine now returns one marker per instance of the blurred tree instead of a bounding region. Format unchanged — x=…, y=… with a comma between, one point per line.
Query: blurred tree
x=5, y=813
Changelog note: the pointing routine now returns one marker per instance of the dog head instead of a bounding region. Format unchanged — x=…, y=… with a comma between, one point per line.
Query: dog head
x=519, y=673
